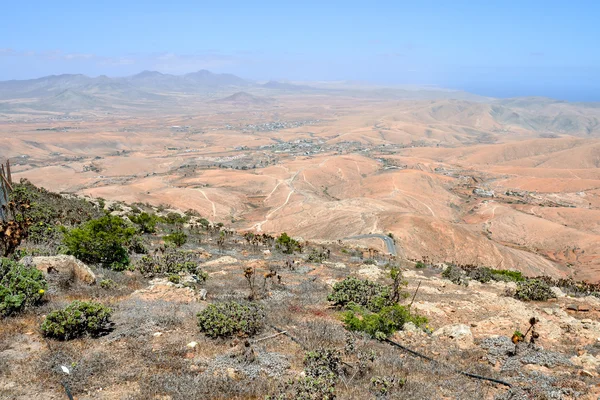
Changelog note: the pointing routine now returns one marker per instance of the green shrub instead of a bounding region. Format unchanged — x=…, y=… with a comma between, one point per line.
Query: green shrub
x=178, y=238
x=78, y=319
x=100, y=241
x=174, y=278
x=455, y=275
x=420, y=265
x=381, y=324
x=146, y=223
x=507, y=275
x=365, y=293
x=20, y=286
x=533, y=290
x=231, y=319
x=287, y=244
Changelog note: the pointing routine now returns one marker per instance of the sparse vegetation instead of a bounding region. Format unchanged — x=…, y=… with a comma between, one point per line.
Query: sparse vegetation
x=78, y=319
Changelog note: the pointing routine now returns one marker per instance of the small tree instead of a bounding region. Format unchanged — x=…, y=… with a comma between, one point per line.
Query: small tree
x=100, y=241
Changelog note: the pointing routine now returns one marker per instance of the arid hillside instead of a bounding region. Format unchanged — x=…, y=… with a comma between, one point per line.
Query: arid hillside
x=508, y=183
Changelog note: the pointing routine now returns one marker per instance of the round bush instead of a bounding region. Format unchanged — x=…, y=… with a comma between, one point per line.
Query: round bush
x=533, y=290
x=78, y=319
x=365, y=293
x=231, y=319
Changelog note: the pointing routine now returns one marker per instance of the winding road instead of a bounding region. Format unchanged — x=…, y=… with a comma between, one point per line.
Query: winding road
x=389, y=242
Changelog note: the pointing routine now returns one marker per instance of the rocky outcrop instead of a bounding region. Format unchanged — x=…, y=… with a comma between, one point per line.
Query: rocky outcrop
x=66, y=266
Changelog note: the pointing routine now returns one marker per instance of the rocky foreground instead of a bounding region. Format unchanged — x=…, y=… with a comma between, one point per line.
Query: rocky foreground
x=156, y=350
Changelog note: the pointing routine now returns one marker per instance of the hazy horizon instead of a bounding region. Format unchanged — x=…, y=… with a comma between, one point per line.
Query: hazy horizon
x=529, y=48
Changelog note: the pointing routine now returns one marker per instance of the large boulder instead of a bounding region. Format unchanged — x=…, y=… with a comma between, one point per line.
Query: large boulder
x=66, y=266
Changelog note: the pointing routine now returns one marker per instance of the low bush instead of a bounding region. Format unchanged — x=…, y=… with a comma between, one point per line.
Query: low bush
x=455, y=275
x=533, y=290
x=174, y=278
x=231, y=319
x=20, y=286
x=382, y=324
x=174, y=218
x=420, y=265
x=100, y=241
x=171, y=261
x=365, y=293
x=78, y=319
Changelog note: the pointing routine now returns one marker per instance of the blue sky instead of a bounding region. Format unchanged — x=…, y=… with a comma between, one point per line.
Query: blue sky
x=502, y=48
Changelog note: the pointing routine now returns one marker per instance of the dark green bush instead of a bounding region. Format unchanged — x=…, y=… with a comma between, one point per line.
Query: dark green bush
x=178, y=238
x=100, y=241
x=420, y=265
x=365, y=293
x=533, y=290
x=146, y=223
x=381, y=324
x=78, y=319
x=20, y=286
x=231, y=319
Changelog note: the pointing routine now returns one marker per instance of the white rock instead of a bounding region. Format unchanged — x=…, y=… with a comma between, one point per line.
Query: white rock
x=65, y=265
x=371, y=272
x=557, y=292
x=457, y=331
x=192, y=345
